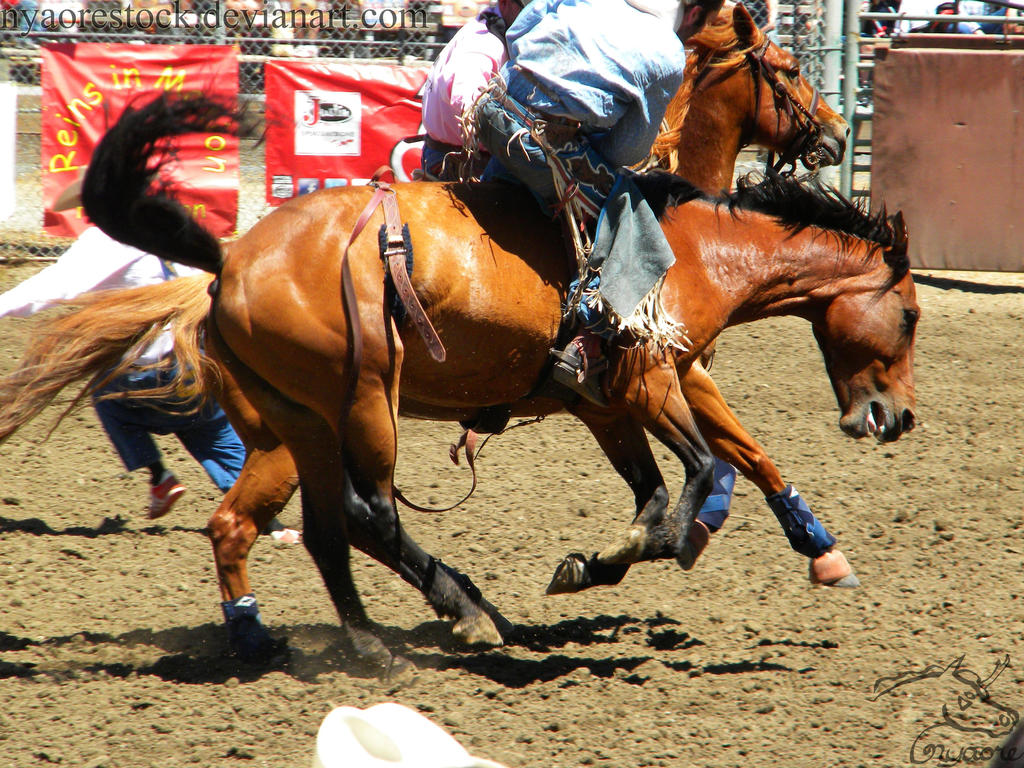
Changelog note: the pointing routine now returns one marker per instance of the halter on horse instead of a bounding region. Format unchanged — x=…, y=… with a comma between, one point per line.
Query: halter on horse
x=807, y=146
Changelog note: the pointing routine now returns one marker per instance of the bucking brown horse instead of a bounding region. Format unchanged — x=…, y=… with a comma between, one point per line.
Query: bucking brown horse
x=734, y=95
x=492, y=285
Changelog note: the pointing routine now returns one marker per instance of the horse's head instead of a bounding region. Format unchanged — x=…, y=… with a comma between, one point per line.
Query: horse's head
x=867, y=338
x=790, y=117
x=742, y=89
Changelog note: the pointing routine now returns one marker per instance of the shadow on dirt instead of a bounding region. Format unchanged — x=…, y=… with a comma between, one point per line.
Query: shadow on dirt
x=109, y=526
x=965, y=285
x=201, y=655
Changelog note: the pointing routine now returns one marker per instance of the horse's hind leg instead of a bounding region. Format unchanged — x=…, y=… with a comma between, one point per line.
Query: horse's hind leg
x=649, y=386
x=326, y=507
x=267, y=481
x=371, y=449
x=731, y=442
x=318, y=456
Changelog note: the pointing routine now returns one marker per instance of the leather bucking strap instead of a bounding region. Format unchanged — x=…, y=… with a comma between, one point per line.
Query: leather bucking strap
x=395, y=253
x=395, y=256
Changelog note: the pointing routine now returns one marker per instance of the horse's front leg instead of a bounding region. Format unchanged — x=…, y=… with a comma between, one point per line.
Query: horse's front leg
x=732, y=443
x=647, y=386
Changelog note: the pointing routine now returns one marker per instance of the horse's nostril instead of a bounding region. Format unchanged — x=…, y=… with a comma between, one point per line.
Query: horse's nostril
x=908, y=420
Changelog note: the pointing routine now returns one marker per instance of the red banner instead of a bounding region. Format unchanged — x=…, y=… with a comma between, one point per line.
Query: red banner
x=334, y=124
x=86, y=87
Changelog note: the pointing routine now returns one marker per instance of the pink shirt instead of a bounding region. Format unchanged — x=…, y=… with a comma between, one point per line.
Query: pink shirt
x=461, y=71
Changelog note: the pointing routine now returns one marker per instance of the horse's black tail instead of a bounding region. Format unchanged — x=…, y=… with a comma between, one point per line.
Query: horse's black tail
x=117, y=194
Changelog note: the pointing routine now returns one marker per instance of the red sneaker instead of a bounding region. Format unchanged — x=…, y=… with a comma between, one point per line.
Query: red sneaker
x=163, y=495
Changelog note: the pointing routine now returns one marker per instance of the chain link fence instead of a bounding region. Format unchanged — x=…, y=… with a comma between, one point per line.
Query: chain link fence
x=381, y=30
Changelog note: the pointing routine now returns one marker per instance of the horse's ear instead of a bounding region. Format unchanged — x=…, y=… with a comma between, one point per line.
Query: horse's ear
x=744, y=25
x=896, y=254
x=899, y=234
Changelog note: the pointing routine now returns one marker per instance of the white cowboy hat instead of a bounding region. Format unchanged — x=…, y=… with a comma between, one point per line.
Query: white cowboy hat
x=388, y=736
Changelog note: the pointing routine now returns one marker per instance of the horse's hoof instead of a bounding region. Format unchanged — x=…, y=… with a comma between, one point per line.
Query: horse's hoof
x=696, y=542
x=250, y=642
x=628, y=551
x=262, y=651
x=570, y=576
x=477, y=630
x=504, y=626
x=400, y=671
x=832, y=570
x=850, y=582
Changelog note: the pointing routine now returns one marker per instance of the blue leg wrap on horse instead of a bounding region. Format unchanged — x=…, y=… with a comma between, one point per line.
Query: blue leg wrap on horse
x=805, y=532
x=245, y=628
x=716, y=506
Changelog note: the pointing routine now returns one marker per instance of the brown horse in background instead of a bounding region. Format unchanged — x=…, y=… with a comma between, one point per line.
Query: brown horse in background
x=741, y=89
x=492, y=287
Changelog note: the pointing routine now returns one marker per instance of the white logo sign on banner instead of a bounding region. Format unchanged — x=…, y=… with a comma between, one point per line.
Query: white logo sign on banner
x=328, y=123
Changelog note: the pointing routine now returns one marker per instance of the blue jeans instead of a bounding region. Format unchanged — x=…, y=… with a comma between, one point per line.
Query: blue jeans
x=206, y=434
x=431, y=161
x=503, y=127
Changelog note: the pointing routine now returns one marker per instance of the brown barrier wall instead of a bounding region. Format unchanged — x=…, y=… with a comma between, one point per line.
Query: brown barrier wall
x=948, y=150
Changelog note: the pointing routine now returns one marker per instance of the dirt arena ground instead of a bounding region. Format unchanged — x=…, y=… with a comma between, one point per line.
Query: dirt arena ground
x=112, y=648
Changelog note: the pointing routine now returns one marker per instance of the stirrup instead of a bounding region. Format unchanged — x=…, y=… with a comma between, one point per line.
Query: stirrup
x=572, y=372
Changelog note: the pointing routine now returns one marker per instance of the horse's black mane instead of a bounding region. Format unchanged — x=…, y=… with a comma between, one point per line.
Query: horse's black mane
x=796, y=203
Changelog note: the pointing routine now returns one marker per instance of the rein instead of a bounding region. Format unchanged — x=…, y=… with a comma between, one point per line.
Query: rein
x=804, y=145
x=467, y=444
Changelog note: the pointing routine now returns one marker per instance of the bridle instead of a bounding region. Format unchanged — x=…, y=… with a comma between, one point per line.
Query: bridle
x=806, y=145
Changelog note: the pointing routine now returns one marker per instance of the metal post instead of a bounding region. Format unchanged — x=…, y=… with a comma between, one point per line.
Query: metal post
x=832, y=64
x=851, y=58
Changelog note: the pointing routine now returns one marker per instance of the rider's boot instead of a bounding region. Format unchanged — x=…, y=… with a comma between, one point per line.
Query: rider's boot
x=579, y=367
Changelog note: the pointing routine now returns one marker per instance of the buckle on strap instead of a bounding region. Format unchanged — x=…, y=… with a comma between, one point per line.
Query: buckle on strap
x=395, y=256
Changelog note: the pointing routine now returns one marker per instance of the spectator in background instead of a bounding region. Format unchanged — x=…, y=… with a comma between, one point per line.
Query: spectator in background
x=28, y=20
x=300, y=15
x=97, y=262
x=955, y=27
x=461, y=71
x=980, y=8
x=929, y=8
x=1015, y=27
x=765, y=13
x=875, y=28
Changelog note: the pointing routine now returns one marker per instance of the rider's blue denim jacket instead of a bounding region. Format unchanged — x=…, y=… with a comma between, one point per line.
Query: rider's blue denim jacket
x=602, y=62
